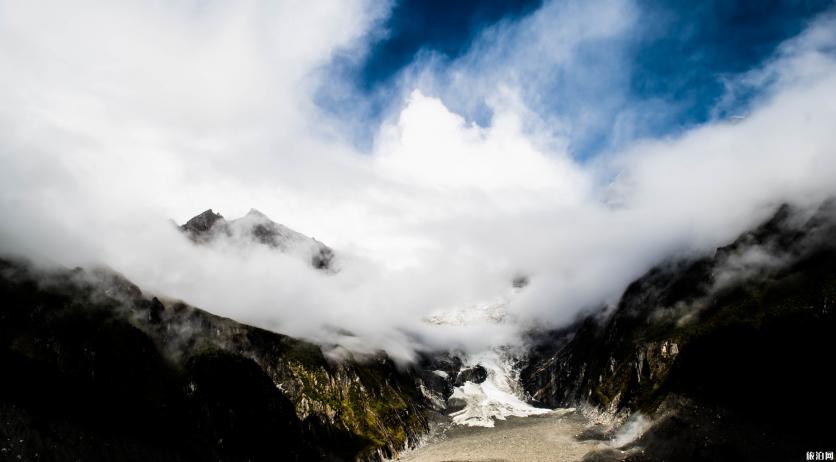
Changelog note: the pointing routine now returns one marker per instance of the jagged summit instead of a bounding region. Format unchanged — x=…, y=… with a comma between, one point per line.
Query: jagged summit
x=201, y=226
x=203, y=221
x=258, y=227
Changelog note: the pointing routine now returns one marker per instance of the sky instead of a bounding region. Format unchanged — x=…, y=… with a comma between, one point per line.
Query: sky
x=441, y=151
x=675, y=61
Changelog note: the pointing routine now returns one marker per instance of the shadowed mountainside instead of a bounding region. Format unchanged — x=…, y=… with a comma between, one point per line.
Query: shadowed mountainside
x=728, y=353
x=95, y=370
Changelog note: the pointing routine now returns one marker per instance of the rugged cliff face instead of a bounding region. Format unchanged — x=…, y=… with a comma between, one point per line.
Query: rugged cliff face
x=95, y=370
x=727, y=353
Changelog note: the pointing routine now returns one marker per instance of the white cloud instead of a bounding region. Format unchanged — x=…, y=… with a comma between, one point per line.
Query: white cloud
x=434, y=147
x=115, y=116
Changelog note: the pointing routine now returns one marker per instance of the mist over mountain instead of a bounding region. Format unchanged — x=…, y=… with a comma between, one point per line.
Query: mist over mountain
x=685, y=361
x=255, y=226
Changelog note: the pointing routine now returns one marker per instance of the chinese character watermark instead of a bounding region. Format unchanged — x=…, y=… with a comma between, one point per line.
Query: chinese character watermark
x=819, y=455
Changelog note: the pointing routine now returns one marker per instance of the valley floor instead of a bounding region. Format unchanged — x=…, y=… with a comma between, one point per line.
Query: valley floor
x=548, y=437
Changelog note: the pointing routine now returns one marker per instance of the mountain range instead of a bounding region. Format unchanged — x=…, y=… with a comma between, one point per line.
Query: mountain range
x=716, y=357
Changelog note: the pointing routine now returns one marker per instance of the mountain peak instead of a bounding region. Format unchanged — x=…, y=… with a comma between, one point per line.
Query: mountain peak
x=256, y=225
x=256, y=213
x=202, y=223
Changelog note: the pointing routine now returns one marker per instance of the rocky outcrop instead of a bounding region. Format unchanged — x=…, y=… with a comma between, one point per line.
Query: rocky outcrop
x=204, y=226
x=476, y=374
x=130, y=377
x=717, y=350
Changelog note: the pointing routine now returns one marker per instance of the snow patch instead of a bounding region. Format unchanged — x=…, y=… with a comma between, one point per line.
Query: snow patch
x=498, y=397
x=493, y=311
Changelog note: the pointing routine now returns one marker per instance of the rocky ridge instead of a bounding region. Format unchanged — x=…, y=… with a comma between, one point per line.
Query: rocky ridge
x=134, y=377
x=719, y=351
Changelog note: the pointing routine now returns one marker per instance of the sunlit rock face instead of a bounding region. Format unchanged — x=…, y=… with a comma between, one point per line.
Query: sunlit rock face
x=706, y=347
x=256, y=228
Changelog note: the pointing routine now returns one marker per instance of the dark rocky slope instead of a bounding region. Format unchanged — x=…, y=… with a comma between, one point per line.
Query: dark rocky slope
x=95, y=370
x=730, y=354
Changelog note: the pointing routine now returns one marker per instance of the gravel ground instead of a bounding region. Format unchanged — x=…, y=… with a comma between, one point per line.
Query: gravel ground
x=547, y=438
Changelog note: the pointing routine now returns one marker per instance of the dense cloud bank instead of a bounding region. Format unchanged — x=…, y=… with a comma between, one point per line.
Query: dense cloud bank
x=116, y=116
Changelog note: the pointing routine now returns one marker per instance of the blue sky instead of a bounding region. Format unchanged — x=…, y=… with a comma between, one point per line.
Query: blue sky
x=440, y=26
x=669, y=71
